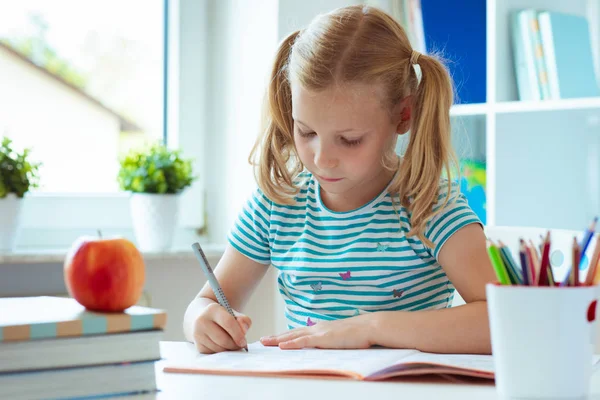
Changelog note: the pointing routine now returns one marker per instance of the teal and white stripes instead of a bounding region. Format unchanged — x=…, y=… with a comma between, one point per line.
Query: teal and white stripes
x=335, y=265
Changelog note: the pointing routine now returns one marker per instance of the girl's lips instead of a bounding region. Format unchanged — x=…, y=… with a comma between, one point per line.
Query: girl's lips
x=330, y=179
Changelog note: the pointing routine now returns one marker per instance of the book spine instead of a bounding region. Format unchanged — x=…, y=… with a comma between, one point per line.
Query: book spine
x=545, y=25
x=82, y=327
x=538, y=54
x=525, y=70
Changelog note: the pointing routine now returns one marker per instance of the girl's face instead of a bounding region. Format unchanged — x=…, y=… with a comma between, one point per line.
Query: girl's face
x=341, y=135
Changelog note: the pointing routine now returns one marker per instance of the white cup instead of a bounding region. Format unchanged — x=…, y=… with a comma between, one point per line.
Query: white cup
x=542, y=340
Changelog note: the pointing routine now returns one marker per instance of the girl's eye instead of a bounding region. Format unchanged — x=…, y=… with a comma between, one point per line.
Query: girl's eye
x=351, y=142
x=306, y=134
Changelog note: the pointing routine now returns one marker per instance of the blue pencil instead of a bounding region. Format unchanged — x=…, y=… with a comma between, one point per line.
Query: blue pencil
x=585, y=242
x=524, y=265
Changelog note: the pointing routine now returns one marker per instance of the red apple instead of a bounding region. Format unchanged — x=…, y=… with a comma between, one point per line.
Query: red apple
x=104, y=274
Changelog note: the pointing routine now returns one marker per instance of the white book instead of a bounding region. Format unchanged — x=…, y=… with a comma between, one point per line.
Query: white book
x=528, y=83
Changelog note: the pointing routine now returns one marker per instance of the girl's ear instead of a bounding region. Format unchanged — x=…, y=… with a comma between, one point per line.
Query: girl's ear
x=402, y=115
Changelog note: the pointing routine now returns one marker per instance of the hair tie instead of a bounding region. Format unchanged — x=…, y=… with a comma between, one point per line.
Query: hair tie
x=414, y=57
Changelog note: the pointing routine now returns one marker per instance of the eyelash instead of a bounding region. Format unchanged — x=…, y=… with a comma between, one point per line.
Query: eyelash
x=349, y=143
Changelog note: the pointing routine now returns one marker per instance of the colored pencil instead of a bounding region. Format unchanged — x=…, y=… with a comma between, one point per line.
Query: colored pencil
x=511, y=267
x=587, y=237
x=576, y=257
x=591, y=274
x=524, y=267
x=545, y=262
x=540, y=278
x=535, y=258
x=497, y=263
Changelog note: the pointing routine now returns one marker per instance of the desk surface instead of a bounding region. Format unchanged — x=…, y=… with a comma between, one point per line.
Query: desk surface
x=195, y=386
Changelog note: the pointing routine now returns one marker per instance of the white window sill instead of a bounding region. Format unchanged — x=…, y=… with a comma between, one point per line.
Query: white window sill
x=53, y=256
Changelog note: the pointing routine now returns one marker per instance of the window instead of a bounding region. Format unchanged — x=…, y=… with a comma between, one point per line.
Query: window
x=82, y=82
x=120, y=47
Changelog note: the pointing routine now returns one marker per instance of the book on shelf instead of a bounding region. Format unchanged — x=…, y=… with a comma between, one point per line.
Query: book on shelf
x=568, y=53
x=529, y=60
x=552, y=55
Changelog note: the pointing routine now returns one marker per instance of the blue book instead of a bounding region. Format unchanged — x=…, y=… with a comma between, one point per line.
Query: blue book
x=461, y=39
x=568, y=53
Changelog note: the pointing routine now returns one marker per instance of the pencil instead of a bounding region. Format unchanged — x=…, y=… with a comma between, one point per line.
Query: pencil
x=591, y=274
x=513, y=275
x=535, y=258
x=212, y=280
x=541, y=276
x=576, y=257
x=524, y=266
x=545, y=263
x=497, y=263
x=585, y=242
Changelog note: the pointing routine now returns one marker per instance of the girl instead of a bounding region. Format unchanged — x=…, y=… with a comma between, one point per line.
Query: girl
x=369, y=246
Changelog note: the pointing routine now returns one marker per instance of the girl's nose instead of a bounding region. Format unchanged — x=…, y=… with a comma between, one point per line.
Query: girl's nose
x=325, y=158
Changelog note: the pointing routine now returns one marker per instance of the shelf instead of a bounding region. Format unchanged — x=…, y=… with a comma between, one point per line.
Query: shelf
x=469, y=109
x=509, y=107
x=547, y=105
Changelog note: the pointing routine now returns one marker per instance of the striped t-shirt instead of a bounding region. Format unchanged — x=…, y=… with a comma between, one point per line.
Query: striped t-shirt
x=334, y=265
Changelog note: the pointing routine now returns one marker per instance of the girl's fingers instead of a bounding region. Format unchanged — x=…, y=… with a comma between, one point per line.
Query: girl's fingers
x=206, y=346
x=221, y=338
x=298, y=343
x=283, y=337
x=244, y=320
x=232, y=328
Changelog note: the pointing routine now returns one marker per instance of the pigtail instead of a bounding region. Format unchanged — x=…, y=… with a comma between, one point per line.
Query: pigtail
x=274, y=147
x=429, y=153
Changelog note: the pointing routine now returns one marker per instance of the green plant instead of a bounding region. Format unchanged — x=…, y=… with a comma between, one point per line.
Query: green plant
x=155, y=169
x=18, y=174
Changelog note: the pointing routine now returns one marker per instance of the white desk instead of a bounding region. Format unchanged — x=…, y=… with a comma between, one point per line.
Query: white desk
x=196, y=386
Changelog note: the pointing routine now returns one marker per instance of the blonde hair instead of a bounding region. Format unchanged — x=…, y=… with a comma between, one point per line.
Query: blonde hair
x=366, y=45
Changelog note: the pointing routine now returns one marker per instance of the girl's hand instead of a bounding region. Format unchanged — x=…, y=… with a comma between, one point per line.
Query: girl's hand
x=215, y=330
x=350, y=333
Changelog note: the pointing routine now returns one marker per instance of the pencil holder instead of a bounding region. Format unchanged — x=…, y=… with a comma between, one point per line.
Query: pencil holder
x=542, y=340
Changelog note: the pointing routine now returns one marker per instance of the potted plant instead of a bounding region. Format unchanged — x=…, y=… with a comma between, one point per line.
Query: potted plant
x=18, y=175
x=156, y=176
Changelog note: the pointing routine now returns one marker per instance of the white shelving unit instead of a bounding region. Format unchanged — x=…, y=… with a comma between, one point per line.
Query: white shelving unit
x=542, y=157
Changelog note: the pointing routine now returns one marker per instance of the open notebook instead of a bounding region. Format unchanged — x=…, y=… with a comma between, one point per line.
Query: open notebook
x=371, y=364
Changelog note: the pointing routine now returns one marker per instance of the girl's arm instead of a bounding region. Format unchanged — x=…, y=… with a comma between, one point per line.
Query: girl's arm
x=462, y=329
x=238, y=276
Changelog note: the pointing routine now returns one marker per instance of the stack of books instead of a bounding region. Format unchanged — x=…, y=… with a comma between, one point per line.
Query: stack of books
x=52, y=347
x=553, y=56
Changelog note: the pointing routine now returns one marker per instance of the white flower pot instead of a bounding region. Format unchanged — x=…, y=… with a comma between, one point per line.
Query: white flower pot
x=10, y=217
x=154, y=219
